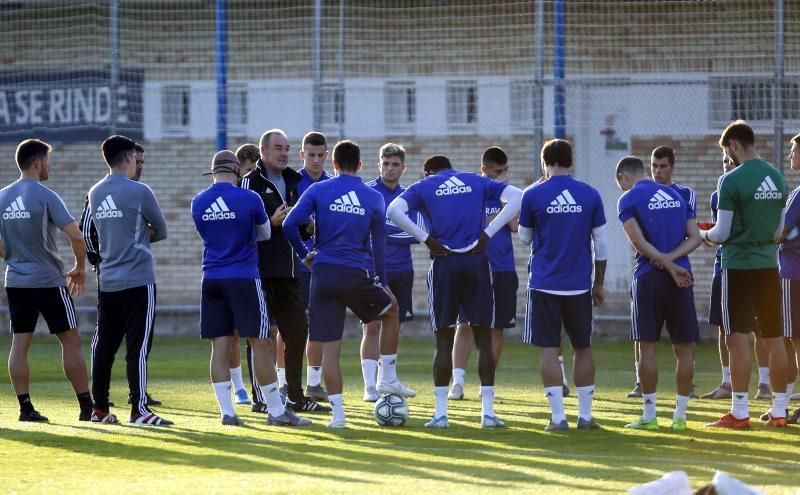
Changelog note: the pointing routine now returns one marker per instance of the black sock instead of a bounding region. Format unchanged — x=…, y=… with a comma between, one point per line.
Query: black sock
x=25, y=404
x=85, y=400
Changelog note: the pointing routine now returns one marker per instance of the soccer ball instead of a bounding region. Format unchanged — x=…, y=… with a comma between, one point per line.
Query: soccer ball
x=391, y=410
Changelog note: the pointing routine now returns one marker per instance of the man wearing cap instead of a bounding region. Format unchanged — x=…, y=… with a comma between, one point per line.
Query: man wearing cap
x=230, y=220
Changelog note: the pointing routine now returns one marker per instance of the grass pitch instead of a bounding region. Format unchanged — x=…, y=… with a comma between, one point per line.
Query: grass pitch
x=200, y=455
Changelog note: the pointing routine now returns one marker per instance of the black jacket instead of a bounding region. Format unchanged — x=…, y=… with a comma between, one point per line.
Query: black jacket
x=276, y=258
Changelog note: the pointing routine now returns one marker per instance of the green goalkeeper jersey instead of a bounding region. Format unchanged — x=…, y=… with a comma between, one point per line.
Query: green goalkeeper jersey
x=755, y=192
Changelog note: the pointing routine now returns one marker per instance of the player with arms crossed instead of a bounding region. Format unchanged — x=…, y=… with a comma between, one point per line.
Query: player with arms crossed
x=562, y=218
x=128, y=220
x=380, y=341
x=454, y=206
x=500, y=251
x=35, y=279
x=346, y=213
x=751, y=202
x=230, y=220
x=662, y=229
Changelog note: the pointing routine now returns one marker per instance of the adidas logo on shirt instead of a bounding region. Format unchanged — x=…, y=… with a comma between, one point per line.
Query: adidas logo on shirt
x=108, y=209
x=661, y=200
x=564, y=203
x=767, y=190
x=218, y=211
x=16, y=210
x=453, y=185
x=348, y=203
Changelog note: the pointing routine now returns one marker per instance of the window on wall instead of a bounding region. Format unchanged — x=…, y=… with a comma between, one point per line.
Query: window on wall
x=731, y=99
x=400, y=105
x=237, y=108
x=462, y=105
x=175, y=109
x=525, y=104
x=331, y=105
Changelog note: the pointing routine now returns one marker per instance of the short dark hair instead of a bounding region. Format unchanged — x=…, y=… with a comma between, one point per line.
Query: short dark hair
x=796, y=139
x=138, y=147
x=557, y=152
x=664, y=152
x=29, y=150
x=347, y=154
x=249, y=152
x=630, y=164
x=435, y=163
x=314, y=138
x=494, y=155
x=740, y=131
x=115, y=148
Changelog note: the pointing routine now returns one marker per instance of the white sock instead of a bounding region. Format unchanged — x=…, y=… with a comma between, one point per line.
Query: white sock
x=388, y=365
x=272, y=395
x=763, y=375
x=649, y=409
x=637, y=372
x=779, y=404
x=440, y=395
x=585, y=397
x=314, y=376
x=223, y=392
x=337, y=404
x=680, y=407
x=789, y=390
x=563, y=373
x=236, y=378
x=726, y=374
x=458, y=376
x=487, y=400
x=281, y=377
x=739, y=405
x=369, y=370
x=555, y=396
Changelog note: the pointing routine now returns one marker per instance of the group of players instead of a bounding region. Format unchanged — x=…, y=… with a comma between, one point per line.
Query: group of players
x=290, y=251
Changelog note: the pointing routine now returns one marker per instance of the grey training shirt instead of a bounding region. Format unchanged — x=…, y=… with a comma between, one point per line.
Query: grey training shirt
x=31, y=215
x=123, y=212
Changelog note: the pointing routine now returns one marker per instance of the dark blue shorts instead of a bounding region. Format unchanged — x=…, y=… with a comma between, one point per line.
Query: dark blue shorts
x=546, y=313
x=460, y=282
x=790, y=308
x=655, y=300
x=335, y=288
x=504, y=286
x=305, y=286
x=402, y=285
x=233, y=303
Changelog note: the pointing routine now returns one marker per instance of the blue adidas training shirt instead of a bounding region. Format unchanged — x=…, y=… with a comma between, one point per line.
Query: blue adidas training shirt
x=226, y=216
x=347, y=213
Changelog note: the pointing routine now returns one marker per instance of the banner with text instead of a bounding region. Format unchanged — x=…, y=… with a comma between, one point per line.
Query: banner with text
x=74, y=105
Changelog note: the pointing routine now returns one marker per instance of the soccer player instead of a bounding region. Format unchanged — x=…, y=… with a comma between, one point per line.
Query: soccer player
x=90, y=236
x=380, y=339
x=751, y=202
x=662, y=168
x=128, y=220
x=789, y=269
x=661, y=227
x=276, y=184
x=454, y=207
x=314, y=152
x=500, y=251
x=247, y=155
x=230, y=220
x=347, y=214
x=35, y=280
x=562, y=218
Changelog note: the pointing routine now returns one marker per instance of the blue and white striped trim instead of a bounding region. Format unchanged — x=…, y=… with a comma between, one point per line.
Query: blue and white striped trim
x=69, y=308
x=786, y=307
x=634, y=309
